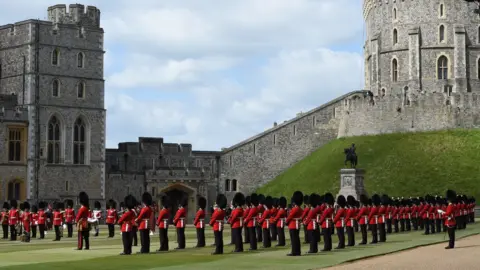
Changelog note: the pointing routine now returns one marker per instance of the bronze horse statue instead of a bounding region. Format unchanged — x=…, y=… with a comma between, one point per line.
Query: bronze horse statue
x=350, y=157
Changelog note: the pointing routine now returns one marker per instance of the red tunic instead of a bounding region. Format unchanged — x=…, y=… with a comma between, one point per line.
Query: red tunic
x=4, y=217
x=82, y=218
x=111, y=216
x=251, y=219
x=350, y=216
x=265, y=219
x=273, y=214
x=26, y=220
x=326, y=218
x=199, y=220
x=163, y=218
x=382, y=214
x=280, y=218
x=294, y=218
x=236, y=219
x=126, y=221
x=34, y=219
x=373, y=216
x=13, y=217
x=69, y=215
x=450, y=216
x=362, y=216
x=180, y=218
x=42, y=217
x=144, y=218
x=217, y=220
x=311, y=219
x=245, y=214
x=339, y=219
x=57, y=218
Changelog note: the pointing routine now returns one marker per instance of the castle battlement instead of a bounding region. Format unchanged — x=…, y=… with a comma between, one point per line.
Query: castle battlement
x=77, y=14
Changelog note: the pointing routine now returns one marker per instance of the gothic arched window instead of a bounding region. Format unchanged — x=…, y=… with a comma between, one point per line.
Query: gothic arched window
x=395, y=36
x=55, y=57
x=54, y=139
x=80, y=60
x=55, y=88
x=79, y=142
x=81, y=90
x=441, y=33
x=442, y=72
x=394, y=70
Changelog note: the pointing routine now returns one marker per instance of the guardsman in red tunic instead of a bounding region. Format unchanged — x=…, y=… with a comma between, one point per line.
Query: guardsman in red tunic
x=111, y=218
x=382, y=218
x=26, y=221
x=180, y=221
x=339, y=221
x=236, y=221
x=69, y=218
x=81, y=219
x=162, y=223
x=273, y=226
x=350, y=218
x=13, y=220
x=374, y=218
x=6, y=206
x=326, y=221
x=431, y=213
x=246, y=209
x=294, y=221
x=408, y=214
x=217, y=222
x=413, y=209
x=362, y=218
x=57, y=220
x=34, y=213
x=402, y=214
x=126, y=222
x=279, y=220
x=251, y=221
x=449, y=217
x=311, y=222
x=260, y=210
x=264, y=222
x=439, y=218
x=136, y=211
x=143, y=220
x=306, y=209
x=199, y=222
x=426, y=214
x=42, y=218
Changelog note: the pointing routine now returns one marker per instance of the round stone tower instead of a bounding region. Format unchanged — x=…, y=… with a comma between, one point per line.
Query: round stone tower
x=421, y=46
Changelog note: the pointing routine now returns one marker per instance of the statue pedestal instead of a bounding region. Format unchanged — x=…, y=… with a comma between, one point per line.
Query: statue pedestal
x=351, y=183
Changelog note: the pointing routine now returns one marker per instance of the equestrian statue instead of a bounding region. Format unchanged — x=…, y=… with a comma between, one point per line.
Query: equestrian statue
x=350, y=156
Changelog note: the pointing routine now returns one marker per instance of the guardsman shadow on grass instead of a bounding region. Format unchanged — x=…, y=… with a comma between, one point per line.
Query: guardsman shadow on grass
x=163, y=222
x=83, y=226
x=126, y=222
x=143, y=220
x=236, y=221
x=199, y=222
x=294, y=221
x=217, y=221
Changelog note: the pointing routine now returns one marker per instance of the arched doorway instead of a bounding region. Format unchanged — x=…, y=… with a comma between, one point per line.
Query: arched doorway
x=16, y=190
x=176, y=192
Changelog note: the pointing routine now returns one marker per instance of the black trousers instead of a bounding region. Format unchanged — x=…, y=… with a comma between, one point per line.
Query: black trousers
x=408, y=224
x=451, y=237
x=253, y=237
x=327, y=239
x=145, y=240
x=306, y=236
x=163, y=233
x=318, y=234
x=273, y=232
x=247, y=235
x=41, y=228
x=389, y=226
x=231, y=236
x=363, y=229
x=218, y=242
x=267, y=241
x=421, y=223
x=127, y=242
x=432, y=226
x=259, y=233
x=34, y=231
x=70, y=230
x=111, y=230
x=5, y=231
x=312, y=234
x=341, y=237
x=382, y=232
x=57, y=232
x=134, y=236
x=426, y=224
x=438, y=222
x=281, y=237
x=395, y=225
x=200, y=237
x=415, y=223
x=402, y=225
x=237, y=239
x=295, y=242
x=374, y=233
x=13, y=233
x=356, y=226
x=83, y=236
x=350, y=236
x=181, y=238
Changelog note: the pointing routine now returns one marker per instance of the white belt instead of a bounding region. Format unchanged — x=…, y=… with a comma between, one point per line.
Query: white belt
x=126, y=227
x=352, y=222
x=297, y=223
x=107, y=216
x=282, y=222
x=254, y=221
x=343, y=222
x=409, y=216
x=201, y=223
x=241, y=221
x=318, y=218
x=220, y=225
x=314, y=223
x=376, y=219
x=165, y=222
x=57, y=219
x=389, y=215
x=182, y=222
x=366, y=219
x=268, y=223
x=428, y=215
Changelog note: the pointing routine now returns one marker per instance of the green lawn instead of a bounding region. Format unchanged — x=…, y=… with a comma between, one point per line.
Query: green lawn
x=407, y=164
x=45, y=254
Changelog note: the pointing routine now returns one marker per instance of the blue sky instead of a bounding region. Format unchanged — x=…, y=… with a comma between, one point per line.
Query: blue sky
x=215, y=72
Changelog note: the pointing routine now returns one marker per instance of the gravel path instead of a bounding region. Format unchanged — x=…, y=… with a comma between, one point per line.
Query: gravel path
x=466, y=255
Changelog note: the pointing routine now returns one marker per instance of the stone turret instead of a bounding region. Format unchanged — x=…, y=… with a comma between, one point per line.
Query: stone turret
x=75, y=15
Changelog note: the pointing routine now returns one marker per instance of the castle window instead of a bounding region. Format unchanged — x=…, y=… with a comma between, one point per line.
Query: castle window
x=80, y=60
x=79, y=142
x=231, y=161
x=254, y=149
x=55, y=57
x=81, y=90
x=16, y=144
x=227, y=185
x=478, y=41
x=198, y=163
x=383, y=92
x=66, y=186
x=442, y=72
x=274, y=139
x=55, y=88
x=394, y=13
x=441, y=33
x=315, y=121
x=395, y=36
x=233, y=185
x=394, y=70
x=294, y=130
x=478, y=68
x=441, y=11
x=53, y=141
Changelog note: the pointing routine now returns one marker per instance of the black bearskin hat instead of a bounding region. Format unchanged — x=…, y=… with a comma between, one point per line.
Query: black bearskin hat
x=321, y=199
x=221, y=201
x=202, y=202
x=341, y=201
x=129, y=202
x=34, y=208
x=41, y=205
x=147, y=199
x=269, y=202
x=122, y=204
x=238, y=199
x=184, y=201
x=451, y=195
x=314, y=200
x=329, y=199
x=13, y=204
x=306, y=199
x=261, y=199
x=275, y=202
x=282, y=202
x=385, y=200
x=97, y=205
x=297, y=198
x=6, y=205
x=26, y=206
x=69, y=203
x=165, y=201
x=83, y=199
x=376, y=200
x=62, y=205
x=351, y=201
x=112, y=204
x=21, y=206
x=247, y=201
x=254, y=199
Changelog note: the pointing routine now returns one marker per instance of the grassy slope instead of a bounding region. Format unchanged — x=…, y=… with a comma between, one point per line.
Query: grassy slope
x=48, y=255
x=408, y=164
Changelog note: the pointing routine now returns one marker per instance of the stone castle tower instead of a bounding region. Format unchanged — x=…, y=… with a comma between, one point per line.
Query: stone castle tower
x=52, y=128
x=421, y=46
